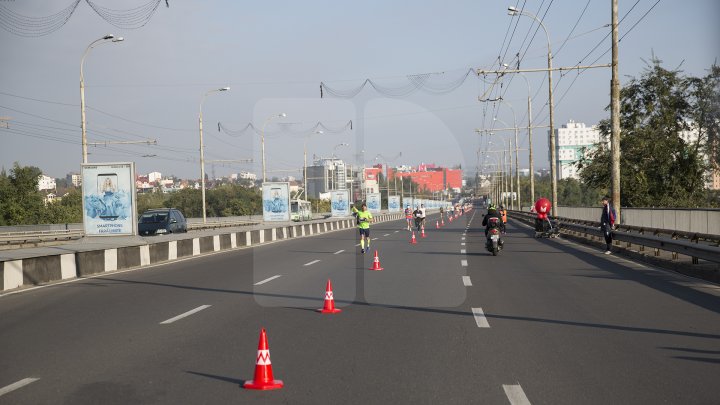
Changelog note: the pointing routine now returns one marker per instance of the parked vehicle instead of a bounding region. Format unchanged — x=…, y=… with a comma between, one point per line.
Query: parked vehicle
x=162, y=221
x=300, y=210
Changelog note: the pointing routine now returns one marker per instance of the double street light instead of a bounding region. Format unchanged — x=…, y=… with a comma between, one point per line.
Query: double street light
x=202, y=150
x=513, y=11
x=110, y=38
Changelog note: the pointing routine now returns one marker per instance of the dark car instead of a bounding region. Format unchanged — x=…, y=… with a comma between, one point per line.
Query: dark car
x=161, y=221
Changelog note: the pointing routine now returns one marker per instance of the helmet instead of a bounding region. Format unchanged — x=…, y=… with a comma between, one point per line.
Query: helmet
x=491, y=207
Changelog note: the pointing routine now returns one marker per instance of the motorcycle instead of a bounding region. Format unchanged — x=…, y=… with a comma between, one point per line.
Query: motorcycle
x=494, y=242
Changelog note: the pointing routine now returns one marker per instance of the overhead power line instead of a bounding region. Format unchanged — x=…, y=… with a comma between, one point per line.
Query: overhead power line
x=27, y=26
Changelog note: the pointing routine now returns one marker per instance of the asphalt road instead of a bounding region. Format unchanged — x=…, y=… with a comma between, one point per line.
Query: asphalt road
x=545, y=322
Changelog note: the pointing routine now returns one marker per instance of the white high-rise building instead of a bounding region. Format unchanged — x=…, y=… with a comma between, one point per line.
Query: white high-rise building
x=571, y=140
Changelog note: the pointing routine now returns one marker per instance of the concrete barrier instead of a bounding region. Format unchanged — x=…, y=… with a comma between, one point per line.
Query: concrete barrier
x=44, y=269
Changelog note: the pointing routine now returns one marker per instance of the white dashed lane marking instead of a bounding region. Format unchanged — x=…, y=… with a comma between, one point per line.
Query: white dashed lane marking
x=186, y=314
x=516, y=395
x=338, y=252
x=466, y=281
x=267, y=280
x=17, y=385
x=311, y=263
x=480, y=318
x=463, y=251
x=463, y=263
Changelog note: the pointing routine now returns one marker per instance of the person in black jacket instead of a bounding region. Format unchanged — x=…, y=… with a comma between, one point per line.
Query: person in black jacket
x=488, y=223
x=607, y=222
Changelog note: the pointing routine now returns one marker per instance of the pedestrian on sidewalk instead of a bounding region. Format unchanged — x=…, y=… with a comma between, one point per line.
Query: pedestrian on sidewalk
x=607, y=222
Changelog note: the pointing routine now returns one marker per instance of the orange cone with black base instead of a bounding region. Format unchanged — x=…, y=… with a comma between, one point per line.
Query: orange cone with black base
x=376, y=263
x=263, y=379
x=329, y=307
x=413, y=241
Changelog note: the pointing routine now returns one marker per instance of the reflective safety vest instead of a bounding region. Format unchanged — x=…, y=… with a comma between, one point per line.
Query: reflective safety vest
x=503, y=213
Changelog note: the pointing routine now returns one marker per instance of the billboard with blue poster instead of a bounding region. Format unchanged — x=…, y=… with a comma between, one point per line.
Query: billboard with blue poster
x=276, y=201
x=108, y=191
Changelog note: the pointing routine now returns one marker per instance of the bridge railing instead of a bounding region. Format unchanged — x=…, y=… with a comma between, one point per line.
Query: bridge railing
x=677, y=242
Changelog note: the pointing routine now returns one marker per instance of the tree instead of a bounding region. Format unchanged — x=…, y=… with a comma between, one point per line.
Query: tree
x=659, y=167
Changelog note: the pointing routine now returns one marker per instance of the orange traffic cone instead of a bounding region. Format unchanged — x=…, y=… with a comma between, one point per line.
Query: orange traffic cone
x=442, y=221
x=329, y=307
x=263, y=379
x=376, y=263
x=422, y=232
x=413, y=241
x=437, y=225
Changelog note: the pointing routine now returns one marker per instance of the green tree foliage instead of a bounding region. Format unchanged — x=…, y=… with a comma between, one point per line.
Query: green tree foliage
x=20, y=201
x=659, y=168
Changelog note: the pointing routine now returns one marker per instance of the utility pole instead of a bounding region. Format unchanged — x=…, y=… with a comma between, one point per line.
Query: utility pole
x=615, y=113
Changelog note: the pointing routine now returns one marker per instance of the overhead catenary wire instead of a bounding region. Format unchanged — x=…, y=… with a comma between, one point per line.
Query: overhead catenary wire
x=27, y=26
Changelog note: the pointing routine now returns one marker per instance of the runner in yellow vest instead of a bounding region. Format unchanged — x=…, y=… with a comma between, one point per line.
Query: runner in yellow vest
x=364, y=218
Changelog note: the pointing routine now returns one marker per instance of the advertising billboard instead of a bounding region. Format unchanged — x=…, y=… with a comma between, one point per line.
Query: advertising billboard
x=108, y=191
x=276, y=201
x=373, y=202
x=339, y=203
x=394, y=203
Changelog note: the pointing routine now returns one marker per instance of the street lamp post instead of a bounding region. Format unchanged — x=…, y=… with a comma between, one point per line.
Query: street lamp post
x=553, y=164
x=202, y=151
x=105, y=39
x=262, y=140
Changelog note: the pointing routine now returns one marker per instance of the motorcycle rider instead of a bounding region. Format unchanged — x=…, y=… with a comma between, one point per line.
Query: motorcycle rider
x=488, y=221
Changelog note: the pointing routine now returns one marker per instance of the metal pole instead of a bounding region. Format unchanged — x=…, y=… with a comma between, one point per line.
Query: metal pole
x=615, y=113
x=202, y=151
x=83, y=124
x=202, y=162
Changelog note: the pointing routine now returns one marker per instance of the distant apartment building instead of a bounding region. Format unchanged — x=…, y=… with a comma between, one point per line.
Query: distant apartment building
x=46, y=183
x=573, y=141
x=74, y=178
x=430, y=177
x=327, y=174
x=244, y=176
x=154, y=177
x=712, y=177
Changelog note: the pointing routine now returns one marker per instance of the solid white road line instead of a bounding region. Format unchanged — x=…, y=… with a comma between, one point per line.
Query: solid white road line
x=12, y=387
x=188, y=313
x=267, y=280
x=338, y=252
x=480, y=319
x=463, y=263
x=516, y=395
x=466, y=281
x=463, y=251
x=311, y=263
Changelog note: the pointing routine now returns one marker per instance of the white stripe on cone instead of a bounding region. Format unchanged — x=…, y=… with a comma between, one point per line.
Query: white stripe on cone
x=263, y=358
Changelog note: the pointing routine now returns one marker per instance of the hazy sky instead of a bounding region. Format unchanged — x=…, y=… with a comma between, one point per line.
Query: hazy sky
x=274, y=55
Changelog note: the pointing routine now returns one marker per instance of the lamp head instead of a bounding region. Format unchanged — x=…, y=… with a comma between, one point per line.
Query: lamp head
x=109, y=36
x=282, y=115
x=118, y=39
x=513, y=10
x=224, y=89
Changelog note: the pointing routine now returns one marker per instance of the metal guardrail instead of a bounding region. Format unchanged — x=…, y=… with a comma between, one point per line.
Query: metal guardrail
x=685, y=243
x=22, y=238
